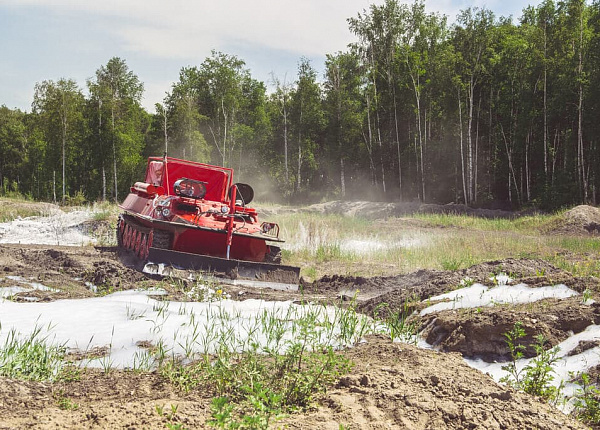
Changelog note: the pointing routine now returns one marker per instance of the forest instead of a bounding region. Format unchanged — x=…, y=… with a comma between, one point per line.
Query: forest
x=484, y=111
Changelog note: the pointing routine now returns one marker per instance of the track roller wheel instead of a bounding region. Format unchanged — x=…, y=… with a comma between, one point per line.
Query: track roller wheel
x=129, y=237
x=143, y=246
x=126, y=236
x=120, y=230
x=136, y=241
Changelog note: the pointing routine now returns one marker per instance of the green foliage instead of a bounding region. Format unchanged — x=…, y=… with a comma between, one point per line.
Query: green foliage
x=32, y=357
x=170, y=416
x=76, y=200
x=536, y=376
x=254, y=384
x=587, y=401
x=486, y=111
x=398, y=322
x=64, y=402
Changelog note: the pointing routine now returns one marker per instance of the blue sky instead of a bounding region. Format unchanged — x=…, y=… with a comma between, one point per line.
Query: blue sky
x=53, y=39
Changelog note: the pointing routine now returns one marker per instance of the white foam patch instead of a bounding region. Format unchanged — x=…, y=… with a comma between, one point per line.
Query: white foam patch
x=123, y=319
x=6, y=292
x=58, y=228
x=370, y=246
x=479, y=295
x=31, y=284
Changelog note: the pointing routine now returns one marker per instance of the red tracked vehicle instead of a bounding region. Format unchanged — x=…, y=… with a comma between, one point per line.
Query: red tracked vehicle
x=191, y=215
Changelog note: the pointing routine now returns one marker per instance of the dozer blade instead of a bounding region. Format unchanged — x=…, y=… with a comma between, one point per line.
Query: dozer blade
x=233, y=269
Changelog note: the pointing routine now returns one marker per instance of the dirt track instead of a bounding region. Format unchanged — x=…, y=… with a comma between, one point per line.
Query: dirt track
x=391, y=386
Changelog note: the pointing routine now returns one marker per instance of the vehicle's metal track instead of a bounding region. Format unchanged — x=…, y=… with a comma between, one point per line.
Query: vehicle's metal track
x=150, y=245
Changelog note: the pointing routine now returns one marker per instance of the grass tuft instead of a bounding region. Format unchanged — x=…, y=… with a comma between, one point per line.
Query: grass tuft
x=31, y=358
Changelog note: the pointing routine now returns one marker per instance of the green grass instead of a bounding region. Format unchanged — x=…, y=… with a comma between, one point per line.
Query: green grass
x=445, y=242
x=106, y=211
x=278, y=363
x=32, y=357
x=523, y=224
x=12, y=208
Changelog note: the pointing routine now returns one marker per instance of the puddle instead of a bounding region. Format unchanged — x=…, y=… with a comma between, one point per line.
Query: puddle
x=24, y=286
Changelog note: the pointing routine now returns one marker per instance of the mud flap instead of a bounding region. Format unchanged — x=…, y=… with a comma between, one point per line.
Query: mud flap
x=233, y=269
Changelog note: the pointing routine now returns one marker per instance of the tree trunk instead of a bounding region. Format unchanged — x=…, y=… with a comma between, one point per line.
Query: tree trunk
x=342, y=178
x=462, y=154
x=545, y=105
x=112, y=113
x=369, y=143
x=165, y=131
x=476, y=158
x=580, y=152
x=64, y=144
x=423, y=147
x=299, y=177
x=511, y=169
x=285, y=142
x=224, y=153
x=470, y=141
x=101, y=145
x=527, y=170
x=378, y=125
x=398, y=146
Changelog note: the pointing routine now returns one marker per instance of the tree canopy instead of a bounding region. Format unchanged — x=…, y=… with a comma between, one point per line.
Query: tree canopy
x=485, y=111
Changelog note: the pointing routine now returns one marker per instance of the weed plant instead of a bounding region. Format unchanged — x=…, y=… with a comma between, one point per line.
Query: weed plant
x=261, y=368
x=521, y=224
x=64, y=402
x=536, y=377
x=587, y=401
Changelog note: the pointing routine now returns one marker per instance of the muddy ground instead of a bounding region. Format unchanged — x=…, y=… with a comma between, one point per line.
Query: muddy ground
x=391, y=386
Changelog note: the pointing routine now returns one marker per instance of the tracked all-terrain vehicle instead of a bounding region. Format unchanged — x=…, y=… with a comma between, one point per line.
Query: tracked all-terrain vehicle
x=193, y=216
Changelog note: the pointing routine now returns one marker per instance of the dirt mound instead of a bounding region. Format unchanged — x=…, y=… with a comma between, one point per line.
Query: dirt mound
x=13, y=208
x=580, y=220
x=477, y=332
x=372, y=293
x=392, y=385
x=480, y=332
x=98, y=400
x=400, y=386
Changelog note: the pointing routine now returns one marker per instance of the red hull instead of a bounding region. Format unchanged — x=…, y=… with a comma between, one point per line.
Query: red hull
x=198, y=224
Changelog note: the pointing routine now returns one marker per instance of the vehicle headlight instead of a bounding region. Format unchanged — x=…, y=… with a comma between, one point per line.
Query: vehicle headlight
x=166, y=212
x=224, y=209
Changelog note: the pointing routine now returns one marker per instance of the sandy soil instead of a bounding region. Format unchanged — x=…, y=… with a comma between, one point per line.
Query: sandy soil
x=391, y=385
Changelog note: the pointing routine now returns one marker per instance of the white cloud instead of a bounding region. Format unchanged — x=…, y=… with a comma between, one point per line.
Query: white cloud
x=155, y=92
x=53, y=38
x=183, y=28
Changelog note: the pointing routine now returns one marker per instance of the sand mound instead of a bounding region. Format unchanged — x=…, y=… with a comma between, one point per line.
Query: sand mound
x=581, y=219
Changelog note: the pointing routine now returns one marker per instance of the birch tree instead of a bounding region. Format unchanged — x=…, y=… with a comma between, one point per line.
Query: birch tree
x=59, y=105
